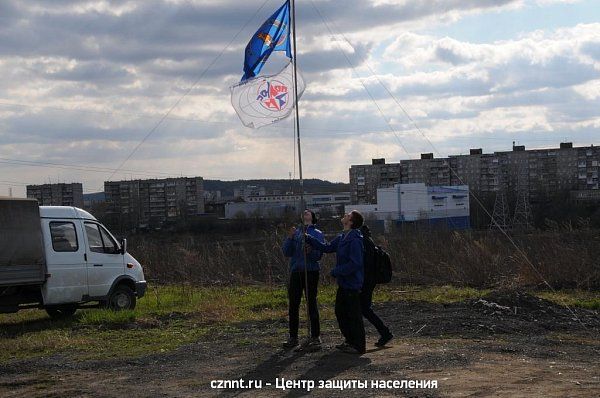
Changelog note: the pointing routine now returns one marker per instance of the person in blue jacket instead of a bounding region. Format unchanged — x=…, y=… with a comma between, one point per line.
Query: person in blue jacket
x=295, y=248
x=349, y=273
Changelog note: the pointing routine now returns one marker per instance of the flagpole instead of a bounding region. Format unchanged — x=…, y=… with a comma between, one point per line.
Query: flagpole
x=297, y=127
x=293, y=6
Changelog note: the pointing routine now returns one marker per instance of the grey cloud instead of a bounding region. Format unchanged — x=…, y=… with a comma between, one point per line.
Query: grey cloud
x=157, y=29
x=560, y=71
x=165, y=46
x=64, y=127
x=91, y=72
x=446, y=54
x=592, y=49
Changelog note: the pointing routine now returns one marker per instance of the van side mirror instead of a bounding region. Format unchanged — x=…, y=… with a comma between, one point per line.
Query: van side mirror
x=123, y=246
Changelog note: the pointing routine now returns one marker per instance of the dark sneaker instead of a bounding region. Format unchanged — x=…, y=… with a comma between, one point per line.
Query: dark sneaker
x=383, y=340
x=310, y=345
x=290, y=342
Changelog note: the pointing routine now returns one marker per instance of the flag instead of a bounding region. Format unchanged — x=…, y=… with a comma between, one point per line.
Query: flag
x=264, y=100
x=273, y=35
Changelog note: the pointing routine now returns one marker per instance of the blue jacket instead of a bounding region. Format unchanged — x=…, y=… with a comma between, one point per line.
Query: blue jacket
x=292, y=247
x=349, y=269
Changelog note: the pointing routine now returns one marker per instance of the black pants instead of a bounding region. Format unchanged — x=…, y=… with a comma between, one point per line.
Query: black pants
x=295, y=289
x=366, y=304
x=349, y=317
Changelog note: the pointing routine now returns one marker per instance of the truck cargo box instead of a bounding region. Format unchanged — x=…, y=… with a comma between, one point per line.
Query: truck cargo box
x=22, y=260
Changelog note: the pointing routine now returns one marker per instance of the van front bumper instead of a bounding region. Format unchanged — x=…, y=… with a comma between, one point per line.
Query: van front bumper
x=140, y=288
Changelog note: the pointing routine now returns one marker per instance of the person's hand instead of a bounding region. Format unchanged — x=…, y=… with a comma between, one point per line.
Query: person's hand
x=291, y=232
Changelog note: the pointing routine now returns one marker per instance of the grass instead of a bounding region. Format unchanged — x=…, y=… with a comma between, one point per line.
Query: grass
x=573, y=298
x=433, y=294
x=171, y=316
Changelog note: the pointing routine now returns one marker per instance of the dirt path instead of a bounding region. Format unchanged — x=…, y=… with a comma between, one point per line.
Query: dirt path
x=472, y=349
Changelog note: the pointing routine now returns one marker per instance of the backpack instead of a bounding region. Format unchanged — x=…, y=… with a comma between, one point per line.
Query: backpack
x=383, y=266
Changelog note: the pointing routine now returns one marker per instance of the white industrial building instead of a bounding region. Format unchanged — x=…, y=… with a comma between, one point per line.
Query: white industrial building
x=446, y=205
x=270, y=206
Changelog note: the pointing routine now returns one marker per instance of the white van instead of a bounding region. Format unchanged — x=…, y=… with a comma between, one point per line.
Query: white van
x=61, y=259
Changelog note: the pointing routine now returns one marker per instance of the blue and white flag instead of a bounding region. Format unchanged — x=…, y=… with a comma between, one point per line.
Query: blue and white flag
x=273, y=35
x=266, y=99
x=263, y=100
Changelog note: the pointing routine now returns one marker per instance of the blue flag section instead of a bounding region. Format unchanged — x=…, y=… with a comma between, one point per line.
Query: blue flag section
x=273, y=35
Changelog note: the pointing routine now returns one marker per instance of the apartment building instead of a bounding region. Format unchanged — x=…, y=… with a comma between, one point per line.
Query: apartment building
x=538, y=172
x=143, y=203
x=57, y=194
x=366, y=179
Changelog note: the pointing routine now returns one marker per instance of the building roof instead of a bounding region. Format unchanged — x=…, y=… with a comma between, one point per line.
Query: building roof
x=448, y=189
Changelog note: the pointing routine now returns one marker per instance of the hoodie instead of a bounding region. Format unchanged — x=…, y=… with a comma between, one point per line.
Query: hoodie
x=349, y=269
x=292, y=247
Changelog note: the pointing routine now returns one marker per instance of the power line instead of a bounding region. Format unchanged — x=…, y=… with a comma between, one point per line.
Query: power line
x=186, y=119
x=80, y=167
x=25, y=184
x=363, y=84
x=337, y=131
x=502, y=230
x=102, y=170
x=185, y=94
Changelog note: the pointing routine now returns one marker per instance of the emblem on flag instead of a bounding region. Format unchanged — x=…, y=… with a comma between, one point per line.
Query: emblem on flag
x=273, y=95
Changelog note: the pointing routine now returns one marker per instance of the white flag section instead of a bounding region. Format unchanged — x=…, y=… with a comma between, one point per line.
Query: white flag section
x=264, y=100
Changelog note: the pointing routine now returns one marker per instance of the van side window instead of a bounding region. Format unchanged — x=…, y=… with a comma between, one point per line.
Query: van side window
x=94, y=239
x=64, y=236
x=99, y=239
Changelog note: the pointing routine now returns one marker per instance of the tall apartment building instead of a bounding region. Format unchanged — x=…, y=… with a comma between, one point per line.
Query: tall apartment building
x=57, y=194
x=366, y=179
x=143, y=203
x=538, y=172
x=426, y=170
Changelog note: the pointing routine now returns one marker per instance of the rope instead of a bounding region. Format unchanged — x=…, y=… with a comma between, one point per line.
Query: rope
x=479, y=202
x=187, y=92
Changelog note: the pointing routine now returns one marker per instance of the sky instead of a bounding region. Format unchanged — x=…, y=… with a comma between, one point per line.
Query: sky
x=85, y=84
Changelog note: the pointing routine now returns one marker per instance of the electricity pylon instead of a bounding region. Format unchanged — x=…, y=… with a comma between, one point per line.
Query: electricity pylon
x=500, y=216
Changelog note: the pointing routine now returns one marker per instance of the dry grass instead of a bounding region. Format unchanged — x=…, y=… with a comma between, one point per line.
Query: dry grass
x=565, y=259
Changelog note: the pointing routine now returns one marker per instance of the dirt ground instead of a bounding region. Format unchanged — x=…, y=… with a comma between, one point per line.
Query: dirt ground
x=505, y=344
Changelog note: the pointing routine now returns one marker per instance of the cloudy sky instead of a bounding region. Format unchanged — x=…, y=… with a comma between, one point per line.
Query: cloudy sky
x=82, y=83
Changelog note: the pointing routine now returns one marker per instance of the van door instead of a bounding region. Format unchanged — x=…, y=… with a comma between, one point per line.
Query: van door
x=64, y=246
x=104, y=259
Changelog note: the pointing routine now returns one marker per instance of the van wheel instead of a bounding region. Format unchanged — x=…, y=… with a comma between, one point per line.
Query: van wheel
x=61, y=312
x=122, y=298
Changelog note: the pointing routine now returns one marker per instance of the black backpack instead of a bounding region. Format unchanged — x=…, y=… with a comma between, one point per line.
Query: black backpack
x=383, y=266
